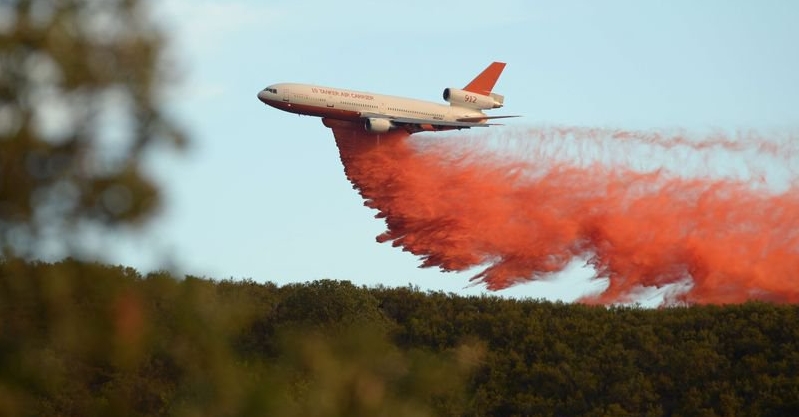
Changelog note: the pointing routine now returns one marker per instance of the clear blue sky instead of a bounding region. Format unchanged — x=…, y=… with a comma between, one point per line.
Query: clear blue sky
x=261, y=194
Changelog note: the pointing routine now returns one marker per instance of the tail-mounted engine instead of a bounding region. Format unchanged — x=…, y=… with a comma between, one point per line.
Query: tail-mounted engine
x=463, y=98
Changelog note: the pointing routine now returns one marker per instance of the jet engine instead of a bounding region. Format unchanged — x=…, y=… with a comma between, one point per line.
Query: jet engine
x=463, y=98
x=377, y=125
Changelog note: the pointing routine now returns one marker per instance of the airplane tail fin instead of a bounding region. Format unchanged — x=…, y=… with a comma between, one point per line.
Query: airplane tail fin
x=484, y=83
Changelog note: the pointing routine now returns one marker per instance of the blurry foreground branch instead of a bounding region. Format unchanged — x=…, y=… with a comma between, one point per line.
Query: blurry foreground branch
x=80, y=91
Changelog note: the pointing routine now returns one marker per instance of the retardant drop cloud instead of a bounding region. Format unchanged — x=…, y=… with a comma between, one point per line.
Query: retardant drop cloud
x=645, y=208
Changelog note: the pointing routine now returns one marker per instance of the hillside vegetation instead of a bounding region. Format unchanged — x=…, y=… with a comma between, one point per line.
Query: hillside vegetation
x=82, y=339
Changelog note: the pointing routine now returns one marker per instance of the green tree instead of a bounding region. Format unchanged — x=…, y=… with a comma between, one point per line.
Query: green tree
x=328, y=305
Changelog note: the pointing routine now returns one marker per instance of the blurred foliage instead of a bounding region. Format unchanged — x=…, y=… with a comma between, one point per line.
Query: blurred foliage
x=85, y=339
x=80, y=92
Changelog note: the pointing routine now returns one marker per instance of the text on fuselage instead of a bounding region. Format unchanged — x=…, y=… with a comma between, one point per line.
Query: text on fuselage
x=341, y=93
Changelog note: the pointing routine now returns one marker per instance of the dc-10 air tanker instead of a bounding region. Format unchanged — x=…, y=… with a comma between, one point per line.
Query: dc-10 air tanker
x=379, y=113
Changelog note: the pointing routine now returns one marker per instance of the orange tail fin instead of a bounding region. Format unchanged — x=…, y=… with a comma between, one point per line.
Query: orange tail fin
x=484, y=83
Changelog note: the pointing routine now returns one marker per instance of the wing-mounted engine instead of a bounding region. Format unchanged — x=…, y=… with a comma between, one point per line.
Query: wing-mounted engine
x=377, y=125
x=463, y=98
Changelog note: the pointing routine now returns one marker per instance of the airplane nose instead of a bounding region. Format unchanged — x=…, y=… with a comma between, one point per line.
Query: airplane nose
x=263, y=96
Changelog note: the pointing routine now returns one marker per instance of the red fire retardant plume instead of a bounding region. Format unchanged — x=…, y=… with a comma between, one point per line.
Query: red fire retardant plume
x=459, y=203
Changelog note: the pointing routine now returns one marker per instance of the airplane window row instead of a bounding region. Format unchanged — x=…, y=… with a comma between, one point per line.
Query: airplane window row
x=416, y=112
x=371, y=106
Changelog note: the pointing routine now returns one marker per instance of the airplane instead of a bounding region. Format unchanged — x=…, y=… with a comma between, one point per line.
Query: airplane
x=378, y=113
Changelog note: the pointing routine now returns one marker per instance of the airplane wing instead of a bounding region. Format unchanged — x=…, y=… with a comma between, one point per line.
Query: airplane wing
x=403, y=121
x=477, y=119
x=418, y=124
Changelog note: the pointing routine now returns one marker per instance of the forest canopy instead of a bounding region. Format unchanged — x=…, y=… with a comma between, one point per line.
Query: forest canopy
x=89, y=339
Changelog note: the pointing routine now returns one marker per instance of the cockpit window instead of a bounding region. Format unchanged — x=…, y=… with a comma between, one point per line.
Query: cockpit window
x=271, y=90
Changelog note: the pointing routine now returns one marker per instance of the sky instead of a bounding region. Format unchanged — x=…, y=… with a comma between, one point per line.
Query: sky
x=261, y=194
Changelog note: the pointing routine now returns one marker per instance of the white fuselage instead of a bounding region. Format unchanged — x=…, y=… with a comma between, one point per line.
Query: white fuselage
x=343, y=104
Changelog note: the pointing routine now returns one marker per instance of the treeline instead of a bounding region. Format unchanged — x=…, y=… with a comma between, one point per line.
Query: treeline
x=82, y=339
